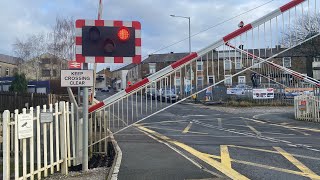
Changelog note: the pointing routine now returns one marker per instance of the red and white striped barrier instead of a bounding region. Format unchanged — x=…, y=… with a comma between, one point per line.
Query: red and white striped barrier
x=88, y=59
x=192, y=56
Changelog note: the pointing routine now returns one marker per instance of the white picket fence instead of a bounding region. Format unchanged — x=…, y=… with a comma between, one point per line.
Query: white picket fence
x=307, y=108
x=52, y=147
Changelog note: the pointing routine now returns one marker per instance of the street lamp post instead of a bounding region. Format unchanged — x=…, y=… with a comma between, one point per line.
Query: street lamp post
x=189, y=29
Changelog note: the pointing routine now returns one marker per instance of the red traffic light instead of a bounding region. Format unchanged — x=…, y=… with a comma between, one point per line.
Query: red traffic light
x=123, y=34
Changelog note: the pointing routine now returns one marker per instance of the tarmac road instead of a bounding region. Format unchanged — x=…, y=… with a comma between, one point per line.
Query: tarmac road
x=191, y=141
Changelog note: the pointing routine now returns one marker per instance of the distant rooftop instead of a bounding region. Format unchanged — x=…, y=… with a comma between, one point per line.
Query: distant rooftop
x=169, y=57
x=8, y=59
x=156, y=58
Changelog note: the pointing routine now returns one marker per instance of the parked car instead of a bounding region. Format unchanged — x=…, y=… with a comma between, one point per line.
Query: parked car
x=151, y=93
x=105, y=90
x=168, y=96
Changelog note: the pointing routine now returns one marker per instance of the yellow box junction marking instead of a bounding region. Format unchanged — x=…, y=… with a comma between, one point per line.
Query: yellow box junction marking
x=277, y=169
x=225, y=156
x=274, y=152
x=186, y=130
x=294, y=161
x=219, y=166
x=284, y=126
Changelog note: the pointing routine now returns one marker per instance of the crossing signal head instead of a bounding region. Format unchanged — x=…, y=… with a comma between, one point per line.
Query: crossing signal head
x=105, y=41
x=123, y=34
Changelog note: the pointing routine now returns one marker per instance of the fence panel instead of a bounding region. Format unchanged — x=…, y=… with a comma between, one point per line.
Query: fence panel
x=307, y=108
x=46, y=149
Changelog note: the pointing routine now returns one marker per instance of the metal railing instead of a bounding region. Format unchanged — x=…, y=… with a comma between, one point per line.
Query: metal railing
x=218, y=64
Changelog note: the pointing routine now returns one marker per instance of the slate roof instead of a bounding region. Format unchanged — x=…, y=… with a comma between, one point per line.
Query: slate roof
x=170, y=57
x=8, y=59
x=125, y=67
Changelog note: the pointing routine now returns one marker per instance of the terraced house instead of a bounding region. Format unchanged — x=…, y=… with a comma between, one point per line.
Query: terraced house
x=8, y=65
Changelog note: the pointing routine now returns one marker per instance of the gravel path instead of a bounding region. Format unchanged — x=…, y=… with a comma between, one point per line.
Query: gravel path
x=92, y=174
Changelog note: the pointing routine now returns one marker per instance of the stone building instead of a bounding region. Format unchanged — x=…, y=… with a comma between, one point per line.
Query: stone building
x=44, y=67
x=218, y=65
x=8, y=65
x=103, y=79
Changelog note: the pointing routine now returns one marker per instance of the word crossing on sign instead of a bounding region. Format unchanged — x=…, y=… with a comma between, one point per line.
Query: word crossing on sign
x=76, y=78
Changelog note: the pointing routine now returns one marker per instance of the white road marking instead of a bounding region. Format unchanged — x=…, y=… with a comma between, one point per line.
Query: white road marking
x=220, y=122
x=249, y=134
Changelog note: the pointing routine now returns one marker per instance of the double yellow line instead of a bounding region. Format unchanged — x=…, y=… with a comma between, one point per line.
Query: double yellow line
x=224, y=166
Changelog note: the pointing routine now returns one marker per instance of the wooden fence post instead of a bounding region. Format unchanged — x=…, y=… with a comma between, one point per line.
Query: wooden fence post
x=6, y=145
x=63, y=140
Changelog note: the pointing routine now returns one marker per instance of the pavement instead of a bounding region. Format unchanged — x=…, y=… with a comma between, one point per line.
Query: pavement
x=193, y=141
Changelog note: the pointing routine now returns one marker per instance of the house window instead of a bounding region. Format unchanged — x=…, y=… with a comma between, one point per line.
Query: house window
x=177, y=81
x=211, y=80
x=54, y=73
x=286, y=61
x=45, y=73
x=45, y=61
x=255, y=63
x=238, y=64
x=241, y=80
x=227, y=64
x=200, y=81
x=228, y=80
x=152, y=68
x=316, y=59
x=199, y=66
x=7, y=72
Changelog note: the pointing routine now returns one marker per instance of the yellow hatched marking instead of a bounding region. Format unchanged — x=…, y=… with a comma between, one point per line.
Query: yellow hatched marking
x=186, y=130
x=312, y=176
x=176, y=130
x=219, y=166
x=295, y=161
x=275, y=152
x=225, y=156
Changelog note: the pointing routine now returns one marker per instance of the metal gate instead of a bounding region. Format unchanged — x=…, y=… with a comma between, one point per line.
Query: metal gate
x=251, y=52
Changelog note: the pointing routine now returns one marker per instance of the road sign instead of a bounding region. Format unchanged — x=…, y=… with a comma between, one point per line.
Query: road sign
x=76, y=78
x=46, y=117
x=74, y=65
x=25, y=126
x=263, y=93
x=100, y=41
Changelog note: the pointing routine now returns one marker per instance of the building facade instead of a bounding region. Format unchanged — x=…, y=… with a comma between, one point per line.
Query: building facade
x=8, y=65
x=103, y=79
x=221, y=64
x=44, y=67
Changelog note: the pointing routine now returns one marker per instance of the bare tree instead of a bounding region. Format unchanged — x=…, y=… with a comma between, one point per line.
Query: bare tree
x=305, y=27
x=62, y=38
x=59, y=42
x=30, y=51
x=62, y=44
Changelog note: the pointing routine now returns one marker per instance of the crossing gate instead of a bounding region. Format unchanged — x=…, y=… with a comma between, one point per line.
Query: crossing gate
x=51, y=147
x=307, y=108
x=258, y=48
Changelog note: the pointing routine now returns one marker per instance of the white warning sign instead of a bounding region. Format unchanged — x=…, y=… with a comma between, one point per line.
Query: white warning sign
x=76, y=78
x=25, y=126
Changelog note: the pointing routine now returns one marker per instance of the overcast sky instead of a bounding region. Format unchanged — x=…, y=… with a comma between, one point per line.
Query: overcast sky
x=20, y=18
